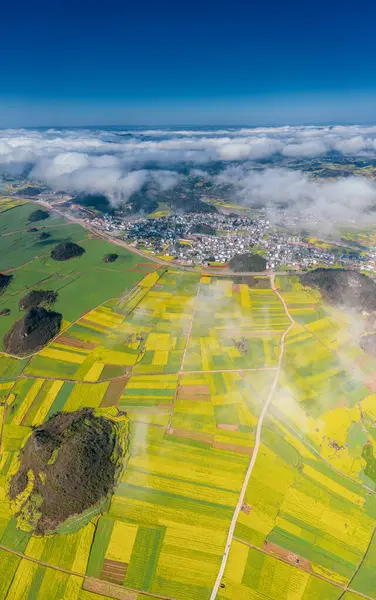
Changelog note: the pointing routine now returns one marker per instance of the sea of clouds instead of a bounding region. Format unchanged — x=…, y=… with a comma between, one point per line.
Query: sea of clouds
x=120, y=162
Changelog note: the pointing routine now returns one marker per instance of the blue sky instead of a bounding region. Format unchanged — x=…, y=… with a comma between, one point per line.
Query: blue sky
x=75, y=63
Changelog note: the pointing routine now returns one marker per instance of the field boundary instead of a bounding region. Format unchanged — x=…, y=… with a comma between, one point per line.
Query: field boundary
x=180, y=372
x=344, y=587
x=83, y=576
x=347, y=587
x=76, y=321
x=256, y=447
x=314, y=451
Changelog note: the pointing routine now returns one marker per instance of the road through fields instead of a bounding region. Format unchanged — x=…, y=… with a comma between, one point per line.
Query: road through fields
x=150, y=257
x=252, y=462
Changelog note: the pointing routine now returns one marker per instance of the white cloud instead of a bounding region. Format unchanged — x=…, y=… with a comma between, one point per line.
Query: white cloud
x=78, y=172
x=198, y=173
x=305, y=149
x=192, y=146
x=118, y=163
x=243, y=148
x=310, y=202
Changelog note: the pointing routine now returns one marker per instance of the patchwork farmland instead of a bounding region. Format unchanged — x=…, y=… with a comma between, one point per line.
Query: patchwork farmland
x=189, y=362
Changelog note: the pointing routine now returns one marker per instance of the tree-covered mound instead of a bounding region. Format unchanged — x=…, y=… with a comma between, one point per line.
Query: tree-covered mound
x=38, y=215
x=32, y=332
x=191, y=204
x=37, y=298
x=30, y=190
x=203, y=229
x=96, y=201
x=247, y=262
x=68, y=465
x=44, y=235
x=110, y=258
x=66, y=250
x=4, y=281
x=344, y=288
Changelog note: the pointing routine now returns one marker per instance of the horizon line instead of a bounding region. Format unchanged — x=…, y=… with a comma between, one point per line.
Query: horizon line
x=194, y=126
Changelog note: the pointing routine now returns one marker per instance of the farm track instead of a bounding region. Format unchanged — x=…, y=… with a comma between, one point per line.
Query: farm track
x=82, y=576
x=128, y=292
x=256, y=448
x=312, y=448
x=126, y=376
x=27, y=231
x=184, y=355
x=302, y=439
x=345, y=588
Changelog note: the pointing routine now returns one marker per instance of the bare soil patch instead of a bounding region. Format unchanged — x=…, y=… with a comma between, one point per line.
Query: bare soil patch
x=107, y=589
x=75, y=343
x=191, y=435
x=114, y=571
x=114, y=392
x=233, y=448
x=200, y=393
x=287, y=555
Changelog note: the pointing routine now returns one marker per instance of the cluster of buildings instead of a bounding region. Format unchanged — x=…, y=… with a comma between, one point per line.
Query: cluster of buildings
x=285, y=250
x=191, y=238
x=216, y=237
x=206, y=237
x=370, y=264
x=200, y=238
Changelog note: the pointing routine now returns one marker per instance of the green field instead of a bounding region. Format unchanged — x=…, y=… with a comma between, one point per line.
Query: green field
x=191, y=360
x=82, y=283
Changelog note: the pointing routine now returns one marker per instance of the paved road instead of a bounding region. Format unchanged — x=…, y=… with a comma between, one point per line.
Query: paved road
x=148, y=257
x=255, y=451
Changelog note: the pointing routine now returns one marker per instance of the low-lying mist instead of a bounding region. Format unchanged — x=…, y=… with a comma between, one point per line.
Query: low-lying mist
x=261, y=166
